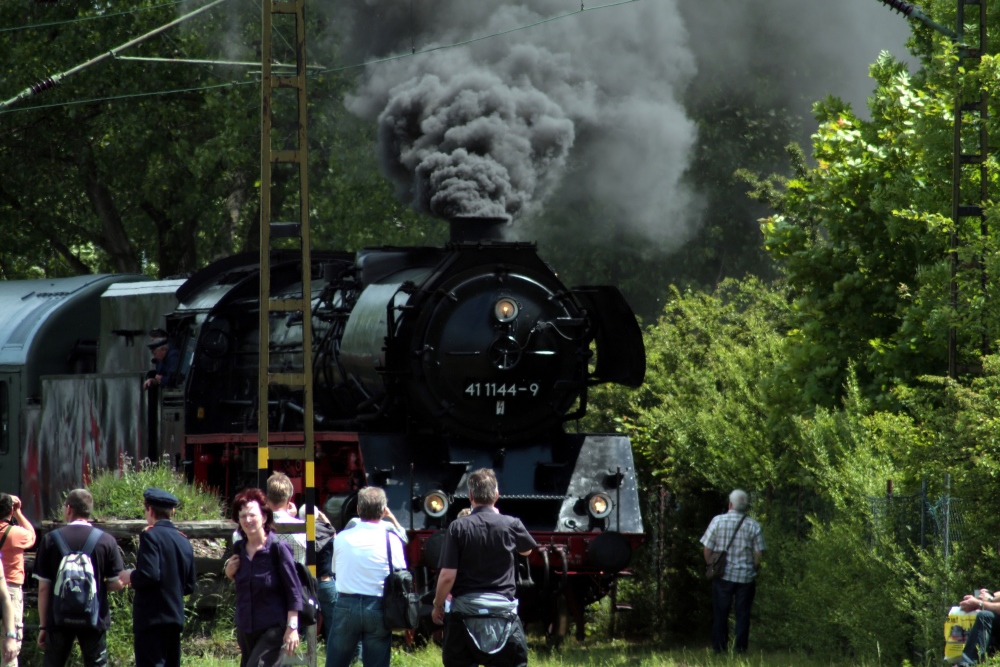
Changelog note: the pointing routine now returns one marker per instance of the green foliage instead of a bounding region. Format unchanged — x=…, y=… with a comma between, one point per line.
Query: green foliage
x=710, y=418
x=864, y=238
x=118, y=494
x=701, y=414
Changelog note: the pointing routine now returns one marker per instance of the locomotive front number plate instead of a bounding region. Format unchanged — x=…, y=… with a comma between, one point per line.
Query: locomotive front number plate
x=475, y=389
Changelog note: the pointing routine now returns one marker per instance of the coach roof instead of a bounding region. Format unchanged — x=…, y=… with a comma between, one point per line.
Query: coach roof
x=31, y=310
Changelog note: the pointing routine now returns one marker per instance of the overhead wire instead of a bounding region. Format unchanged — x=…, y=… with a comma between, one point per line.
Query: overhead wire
x=332, y=69
x=49, y=24
x=478, y=39
x=130, y=95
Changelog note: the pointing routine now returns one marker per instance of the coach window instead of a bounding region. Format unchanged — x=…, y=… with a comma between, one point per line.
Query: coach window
x=4, y=419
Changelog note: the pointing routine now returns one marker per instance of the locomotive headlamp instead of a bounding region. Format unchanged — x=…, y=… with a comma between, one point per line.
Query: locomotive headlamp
x=599, y=505
x=436, y=504
x=505, y=310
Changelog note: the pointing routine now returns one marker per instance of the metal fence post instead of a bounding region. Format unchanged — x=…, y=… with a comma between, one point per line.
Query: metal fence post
x=947, y=517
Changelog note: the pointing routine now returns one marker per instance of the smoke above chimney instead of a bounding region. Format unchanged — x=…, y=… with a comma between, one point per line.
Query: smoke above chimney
x=472, y=141
x=494, y=127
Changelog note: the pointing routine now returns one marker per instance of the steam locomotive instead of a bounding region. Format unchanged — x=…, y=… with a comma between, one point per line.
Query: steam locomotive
x=428, y=363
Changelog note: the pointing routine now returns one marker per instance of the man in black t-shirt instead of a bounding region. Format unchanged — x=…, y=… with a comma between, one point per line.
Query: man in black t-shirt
x=107, y=563
x=477, y=568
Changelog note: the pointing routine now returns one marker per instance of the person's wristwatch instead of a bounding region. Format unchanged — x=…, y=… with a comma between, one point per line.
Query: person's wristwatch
x=11, y=635
x=293, y=625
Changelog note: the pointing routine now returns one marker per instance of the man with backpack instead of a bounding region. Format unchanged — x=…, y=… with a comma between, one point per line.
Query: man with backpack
x=76, y=566
x=164, y=573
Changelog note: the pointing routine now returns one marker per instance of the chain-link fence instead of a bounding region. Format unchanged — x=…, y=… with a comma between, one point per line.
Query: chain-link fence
x=919, y=521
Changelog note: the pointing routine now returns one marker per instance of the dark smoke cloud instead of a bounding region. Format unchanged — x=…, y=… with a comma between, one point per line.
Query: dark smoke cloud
x=806, y=49
x=611, y=84
x=494, y=127
x=591, y=107
x=470, y=140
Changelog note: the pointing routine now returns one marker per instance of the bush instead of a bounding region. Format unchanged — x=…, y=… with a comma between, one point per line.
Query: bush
x=118, y=494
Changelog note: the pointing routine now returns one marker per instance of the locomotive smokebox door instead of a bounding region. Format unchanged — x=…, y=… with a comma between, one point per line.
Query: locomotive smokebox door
x=499, y=351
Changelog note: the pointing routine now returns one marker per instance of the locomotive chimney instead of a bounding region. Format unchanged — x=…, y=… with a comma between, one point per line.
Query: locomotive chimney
x=472, y=229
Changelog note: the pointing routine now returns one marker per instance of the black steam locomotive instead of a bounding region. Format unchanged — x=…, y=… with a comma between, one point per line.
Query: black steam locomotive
x=428, y=363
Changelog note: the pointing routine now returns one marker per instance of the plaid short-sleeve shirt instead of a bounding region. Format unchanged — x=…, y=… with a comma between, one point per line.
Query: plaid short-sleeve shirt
x=739, y=559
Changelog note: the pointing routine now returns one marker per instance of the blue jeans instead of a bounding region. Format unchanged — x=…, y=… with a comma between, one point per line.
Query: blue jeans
x=723, y=594
x=982, y=641
x=327, y=594
x=358, y=617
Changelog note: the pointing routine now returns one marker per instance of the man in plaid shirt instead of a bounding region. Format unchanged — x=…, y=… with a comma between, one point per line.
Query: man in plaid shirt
x=738, y=580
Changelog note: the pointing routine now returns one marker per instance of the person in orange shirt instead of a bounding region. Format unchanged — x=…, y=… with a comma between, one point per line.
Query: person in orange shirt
x=16, y=535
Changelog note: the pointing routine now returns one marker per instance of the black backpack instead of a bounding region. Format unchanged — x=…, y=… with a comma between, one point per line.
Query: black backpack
x=310, y=589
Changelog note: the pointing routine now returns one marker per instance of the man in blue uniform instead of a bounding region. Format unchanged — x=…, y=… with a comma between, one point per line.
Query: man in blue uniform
x=164, y=573
x=166, y=360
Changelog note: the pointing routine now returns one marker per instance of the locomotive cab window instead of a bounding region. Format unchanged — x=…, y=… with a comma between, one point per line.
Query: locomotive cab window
x=4, y=419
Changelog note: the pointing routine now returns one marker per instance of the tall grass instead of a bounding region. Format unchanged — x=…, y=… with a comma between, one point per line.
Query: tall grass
x=118, y=494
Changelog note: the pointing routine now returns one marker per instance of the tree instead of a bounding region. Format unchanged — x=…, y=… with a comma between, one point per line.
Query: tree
x=165, y=183
x=701, y=417
x=864, y=238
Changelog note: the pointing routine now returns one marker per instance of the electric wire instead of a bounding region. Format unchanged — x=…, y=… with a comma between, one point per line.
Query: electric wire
x=131, y=95
x=332, y=69
x=88, y=18
x=478, y=39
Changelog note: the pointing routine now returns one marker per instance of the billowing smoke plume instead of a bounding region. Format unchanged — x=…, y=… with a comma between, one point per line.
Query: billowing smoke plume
x=492, y=127
x=472, y=140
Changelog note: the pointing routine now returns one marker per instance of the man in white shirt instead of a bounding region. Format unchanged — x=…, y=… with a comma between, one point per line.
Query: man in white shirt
x=361, y=564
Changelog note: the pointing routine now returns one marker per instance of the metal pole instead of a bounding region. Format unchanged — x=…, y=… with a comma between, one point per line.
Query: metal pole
x=956, y=218
x=923, y=514
x=947, y=517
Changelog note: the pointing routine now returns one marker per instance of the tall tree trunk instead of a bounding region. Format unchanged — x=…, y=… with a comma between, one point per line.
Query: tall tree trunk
x=114, y=240
x=74, y=262
x=165, y=257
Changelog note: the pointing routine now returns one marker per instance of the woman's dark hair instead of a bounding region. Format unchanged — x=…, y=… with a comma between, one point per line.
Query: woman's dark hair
x=250, y=496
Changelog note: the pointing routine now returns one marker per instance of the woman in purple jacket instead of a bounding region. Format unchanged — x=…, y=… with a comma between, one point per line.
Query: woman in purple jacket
x=268, y=594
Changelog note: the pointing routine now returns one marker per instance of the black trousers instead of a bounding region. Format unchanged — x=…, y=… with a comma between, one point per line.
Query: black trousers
x=460, y=651
x=724, y=594
x=262, y=648
x=59, y=643
x=158, y=646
